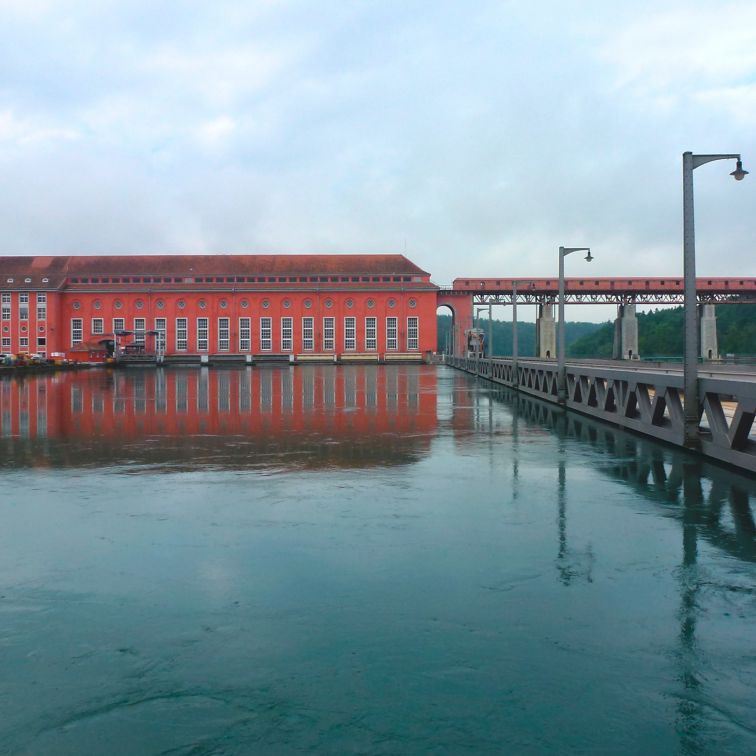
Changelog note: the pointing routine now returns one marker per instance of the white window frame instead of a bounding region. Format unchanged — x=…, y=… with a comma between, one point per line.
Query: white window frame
x=161, y=340
x=6, y=342
x=119, y=324
x=98, y=326
x=392, y=334
x=140, y=325
x=77, y=331
x=308, y=334
x=329, y=334
x=224, y=334
x=23, y=343
x=245, y=334
x=203, y=334
x=350, y=333
x=413, y=333
x=41, y=306
x=287, y=334
x=266, y=334
x=5, y=300
x=23, y=306
x=182, y=334
x=371, y=333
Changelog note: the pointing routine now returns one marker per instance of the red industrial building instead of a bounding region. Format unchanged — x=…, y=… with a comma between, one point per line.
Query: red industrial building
x=243, y=307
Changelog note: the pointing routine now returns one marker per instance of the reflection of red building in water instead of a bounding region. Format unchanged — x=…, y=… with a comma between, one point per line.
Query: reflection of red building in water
x=330, y=306
x=326, y=412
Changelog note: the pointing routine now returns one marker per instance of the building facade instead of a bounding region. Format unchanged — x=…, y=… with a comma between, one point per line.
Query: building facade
x=305, y=306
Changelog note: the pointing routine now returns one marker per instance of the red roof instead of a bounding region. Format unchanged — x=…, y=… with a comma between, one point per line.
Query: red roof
x=56, y=269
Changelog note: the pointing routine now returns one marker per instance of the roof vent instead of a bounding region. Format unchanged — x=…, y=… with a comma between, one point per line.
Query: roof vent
x=10, y=280
x=27, y=280
x=45, y=280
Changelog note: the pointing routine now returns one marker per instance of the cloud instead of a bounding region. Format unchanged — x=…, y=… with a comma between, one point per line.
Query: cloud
x=481, y=136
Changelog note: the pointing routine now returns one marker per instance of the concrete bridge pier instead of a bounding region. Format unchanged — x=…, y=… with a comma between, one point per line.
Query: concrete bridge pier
x=546, y=331
x=625, y=345
x=708, y=331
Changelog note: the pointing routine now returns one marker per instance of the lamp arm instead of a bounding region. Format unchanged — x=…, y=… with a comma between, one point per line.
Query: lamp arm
x=702, y=159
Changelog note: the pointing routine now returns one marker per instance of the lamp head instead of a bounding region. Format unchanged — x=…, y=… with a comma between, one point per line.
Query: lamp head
x=589, y=257
x=739, y=174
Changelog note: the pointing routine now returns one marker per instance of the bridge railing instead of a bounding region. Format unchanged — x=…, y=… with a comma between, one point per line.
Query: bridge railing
x=646, y=401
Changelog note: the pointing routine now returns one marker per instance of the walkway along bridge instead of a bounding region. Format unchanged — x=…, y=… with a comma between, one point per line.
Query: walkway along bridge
x=648, y=399
x=466, y=294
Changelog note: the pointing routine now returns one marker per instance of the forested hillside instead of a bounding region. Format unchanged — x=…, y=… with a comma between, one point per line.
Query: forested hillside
x=502, y=335
x=660, y=334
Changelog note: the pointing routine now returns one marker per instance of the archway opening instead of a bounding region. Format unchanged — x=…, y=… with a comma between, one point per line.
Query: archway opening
x=446, y=320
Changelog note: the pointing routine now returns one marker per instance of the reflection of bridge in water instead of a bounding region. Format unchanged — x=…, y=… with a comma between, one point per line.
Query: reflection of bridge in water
x=711, y=503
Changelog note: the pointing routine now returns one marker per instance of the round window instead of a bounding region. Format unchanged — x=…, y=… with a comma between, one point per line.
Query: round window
x=392, y=303
x=118, y=304
x=286, y=303
x=160, y=304
x=76, y=305
x=265, y=304
x=202, y=304
x=370, y=304
x=139, y=304
x=223, y=303
x=307, y=303
x=349, y=303
x=329, y=303
x=244, y=304
x=41, y=329
x=181, y=304
x=97, y=304
x=412, y=303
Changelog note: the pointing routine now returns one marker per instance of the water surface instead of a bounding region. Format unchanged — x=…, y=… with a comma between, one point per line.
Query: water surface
x=363, y=559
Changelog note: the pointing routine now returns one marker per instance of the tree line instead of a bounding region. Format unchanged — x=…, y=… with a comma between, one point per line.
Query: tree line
x=660, y=334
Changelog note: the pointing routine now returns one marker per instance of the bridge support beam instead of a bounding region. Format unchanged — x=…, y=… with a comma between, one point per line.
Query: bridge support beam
x=625, y=345
x=708, y=331
x=546, y=331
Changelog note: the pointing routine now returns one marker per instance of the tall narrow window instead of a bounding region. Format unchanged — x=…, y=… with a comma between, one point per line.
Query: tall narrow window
x=245, y=335
x=202, y=334
x=182, y=342
x=77, y=331
x=5, y=298
x=119, y=324
x=287, y=334
x=308, y=335
x=224, y=335
x=98, y=326
x=41, y=306
x=266, y=334
x=160, y=339
x=413, y=338
x=350, y=333
x=329, y=334
x=139, y=329
x=23, y=307
x=392, y=343
x=371, y=341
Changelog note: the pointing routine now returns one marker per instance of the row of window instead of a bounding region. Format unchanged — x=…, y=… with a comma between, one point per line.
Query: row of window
x=369, y=335
x=23, y=344
x=247, y=279
x=23, y=306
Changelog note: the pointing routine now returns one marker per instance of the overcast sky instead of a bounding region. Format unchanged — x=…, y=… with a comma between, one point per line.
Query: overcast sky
x=474, y=136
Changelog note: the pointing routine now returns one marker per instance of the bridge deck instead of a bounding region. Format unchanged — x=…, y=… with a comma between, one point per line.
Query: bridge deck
x=645, y=400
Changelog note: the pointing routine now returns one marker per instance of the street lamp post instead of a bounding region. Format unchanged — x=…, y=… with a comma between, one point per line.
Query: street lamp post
x=515, y=342
x=561, y=371
x=690, y=364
